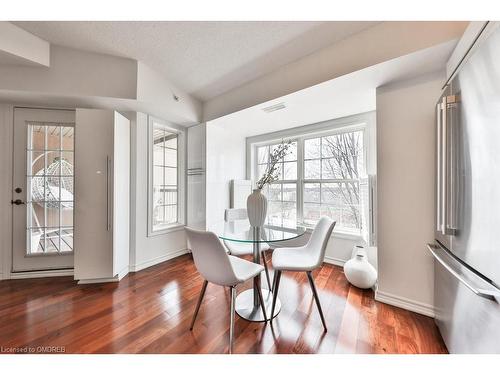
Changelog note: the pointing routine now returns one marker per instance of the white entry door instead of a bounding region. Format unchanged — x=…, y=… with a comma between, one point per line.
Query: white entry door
x=42, y=197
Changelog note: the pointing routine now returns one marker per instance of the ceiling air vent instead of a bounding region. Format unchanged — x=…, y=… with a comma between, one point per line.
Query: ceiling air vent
x=275, y=107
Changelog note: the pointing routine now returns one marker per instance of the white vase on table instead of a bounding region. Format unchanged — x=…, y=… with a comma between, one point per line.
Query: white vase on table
x=257, y=208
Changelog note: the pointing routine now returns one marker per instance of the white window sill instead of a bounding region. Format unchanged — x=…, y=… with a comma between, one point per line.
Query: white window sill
x=339, y=234
x=347, y=236
x=167, y=230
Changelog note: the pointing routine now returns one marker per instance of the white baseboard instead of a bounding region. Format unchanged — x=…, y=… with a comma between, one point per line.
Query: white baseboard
x=335, y=261
x=36, y=274
x=124, y=272
x=115, y=279
x=152, y=262
x=405, y=303
x=99, y=281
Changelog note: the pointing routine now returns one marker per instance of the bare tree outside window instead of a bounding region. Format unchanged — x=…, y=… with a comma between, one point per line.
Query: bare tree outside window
x=327, y=180
x=343, y=155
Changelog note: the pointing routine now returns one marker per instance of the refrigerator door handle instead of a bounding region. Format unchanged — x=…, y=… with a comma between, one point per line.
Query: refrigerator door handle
x=490, y=294
x=439, y=156
x=452, y=106
x=444, y=166
x=446, y=171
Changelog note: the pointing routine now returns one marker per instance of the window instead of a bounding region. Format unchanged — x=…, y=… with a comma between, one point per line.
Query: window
x=324, y=175
x=332, y=172
x=165, y=178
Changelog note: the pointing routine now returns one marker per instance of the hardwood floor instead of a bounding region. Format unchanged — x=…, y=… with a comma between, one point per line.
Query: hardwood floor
x=150, y=312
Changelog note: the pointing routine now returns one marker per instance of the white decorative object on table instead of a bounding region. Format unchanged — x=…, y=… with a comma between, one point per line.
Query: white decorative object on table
x=257, y=202
x=359, y=272
x=257, y=208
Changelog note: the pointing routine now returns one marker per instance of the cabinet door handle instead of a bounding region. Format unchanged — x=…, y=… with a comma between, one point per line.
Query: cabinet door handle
x=108, y=190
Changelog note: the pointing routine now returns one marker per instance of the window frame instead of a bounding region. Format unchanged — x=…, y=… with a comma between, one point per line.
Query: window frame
x=361, y=122
x=181, y=176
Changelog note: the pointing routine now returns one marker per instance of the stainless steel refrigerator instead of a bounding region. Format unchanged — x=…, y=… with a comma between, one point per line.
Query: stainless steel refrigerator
x=467, y=232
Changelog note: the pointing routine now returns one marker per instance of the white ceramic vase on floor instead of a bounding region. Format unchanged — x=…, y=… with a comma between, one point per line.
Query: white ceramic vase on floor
x=257, y=208
x=359, y=272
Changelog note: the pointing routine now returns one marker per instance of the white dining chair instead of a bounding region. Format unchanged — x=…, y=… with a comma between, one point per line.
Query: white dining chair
x=303, y=259
x=217, y=267
x=233, y=215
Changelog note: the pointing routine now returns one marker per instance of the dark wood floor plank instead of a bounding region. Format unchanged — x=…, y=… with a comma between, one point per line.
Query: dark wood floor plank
x=150, y=312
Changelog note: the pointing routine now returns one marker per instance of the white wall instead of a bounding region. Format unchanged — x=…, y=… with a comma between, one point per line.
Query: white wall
x=405, y=167
x=73, y=72
x=146, y=251
x=82, y=79
x=225, y=161
x=5, y=189
x=157, y=94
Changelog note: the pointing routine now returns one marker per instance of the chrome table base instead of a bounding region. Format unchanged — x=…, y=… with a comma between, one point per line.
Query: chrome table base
x=247, y=302
x=246, y=308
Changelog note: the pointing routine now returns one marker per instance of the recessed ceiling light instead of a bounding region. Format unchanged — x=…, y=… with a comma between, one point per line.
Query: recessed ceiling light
x=274, y=107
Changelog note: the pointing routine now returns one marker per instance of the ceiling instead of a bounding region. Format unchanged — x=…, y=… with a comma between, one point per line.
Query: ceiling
x=205, y=59
x=343, y=96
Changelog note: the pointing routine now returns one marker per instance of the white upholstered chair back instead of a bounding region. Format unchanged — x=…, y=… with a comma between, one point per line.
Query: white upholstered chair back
x=316, y=246
x=210, y=258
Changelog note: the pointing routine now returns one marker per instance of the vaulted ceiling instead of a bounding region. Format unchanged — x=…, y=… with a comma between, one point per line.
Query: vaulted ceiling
x=205, y=59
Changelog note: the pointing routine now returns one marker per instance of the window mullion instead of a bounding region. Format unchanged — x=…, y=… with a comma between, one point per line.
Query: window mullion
x=300, y=180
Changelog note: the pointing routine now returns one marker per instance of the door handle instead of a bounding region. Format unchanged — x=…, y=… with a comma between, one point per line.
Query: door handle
x=446, y=169
x=108, y=190
x=491, y=294
x=452, y=105
x=439, y=166
x=444, y=166
x=17, y=202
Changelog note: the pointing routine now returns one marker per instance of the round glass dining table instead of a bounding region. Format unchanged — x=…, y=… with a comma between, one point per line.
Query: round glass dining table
x=247, y=302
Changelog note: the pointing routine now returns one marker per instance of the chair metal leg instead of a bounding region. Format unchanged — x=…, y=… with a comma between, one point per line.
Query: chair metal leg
x=274, y=280
x=262, y=305
x=316, y=297
x=266, y=269
x=277, y=279
x=231, y=326
x=200, y=299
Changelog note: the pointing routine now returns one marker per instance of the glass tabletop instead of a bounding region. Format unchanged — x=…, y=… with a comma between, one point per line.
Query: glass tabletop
x=241, y=231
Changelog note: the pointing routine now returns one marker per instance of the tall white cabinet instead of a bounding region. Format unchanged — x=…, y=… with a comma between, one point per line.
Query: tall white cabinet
x=196, y=176
x=102, y=196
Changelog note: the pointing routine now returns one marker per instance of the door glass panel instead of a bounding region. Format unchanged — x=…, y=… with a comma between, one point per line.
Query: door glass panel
x=66, y=239
x=67, y=133
x=67, y=163
x=51, y=215
x=36, y=161
x=50, y=174
x=53, y=137
x=51, y=241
